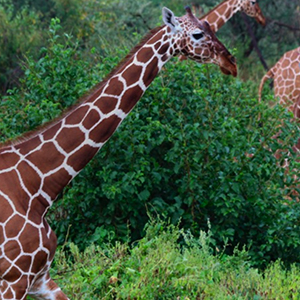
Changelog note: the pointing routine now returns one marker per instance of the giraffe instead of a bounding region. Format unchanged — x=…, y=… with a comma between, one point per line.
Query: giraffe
x=218, y=16
x=286, y=76
x=35, y=169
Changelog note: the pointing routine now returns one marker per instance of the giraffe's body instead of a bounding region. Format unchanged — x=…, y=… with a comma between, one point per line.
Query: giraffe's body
x=35, y=170
x=286, y=76
x=218, y=16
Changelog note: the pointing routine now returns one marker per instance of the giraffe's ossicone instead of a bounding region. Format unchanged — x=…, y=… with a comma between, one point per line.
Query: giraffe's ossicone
x=33, y=171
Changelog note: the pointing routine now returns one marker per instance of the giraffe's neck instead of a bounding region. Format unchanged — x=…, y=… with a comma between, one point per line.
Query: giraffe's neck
x=45, y=163
x=222, y=13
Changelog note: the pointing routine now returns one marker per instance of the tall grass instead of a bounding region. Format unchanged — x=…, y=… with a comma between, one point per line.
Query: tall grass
x=169, y=263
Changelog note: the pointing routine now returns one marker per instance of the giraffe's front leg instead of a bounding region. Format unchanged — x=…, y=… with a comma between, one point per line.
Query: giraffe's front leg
x=45, y=288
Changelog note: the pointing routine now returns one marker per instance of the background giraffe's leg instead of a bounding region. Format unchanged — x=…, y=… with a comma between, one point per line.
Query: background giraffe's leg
x=297, y=119
x=46, y=289
x=296, y=147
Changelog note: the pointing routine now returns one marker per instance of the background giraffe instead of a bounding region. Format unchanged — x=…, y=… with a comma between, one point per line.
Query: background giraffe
x=286, y=76
x=218, y=16
x=35, y=170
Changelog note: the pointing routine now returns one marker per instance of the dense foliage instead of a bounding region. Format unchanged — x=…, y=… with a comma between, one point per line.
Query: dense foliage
x=49, y=86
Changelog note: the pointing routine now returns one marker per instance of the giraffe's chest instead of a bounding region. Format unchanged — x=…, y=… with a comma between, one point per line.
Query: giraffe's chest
x=25, y=246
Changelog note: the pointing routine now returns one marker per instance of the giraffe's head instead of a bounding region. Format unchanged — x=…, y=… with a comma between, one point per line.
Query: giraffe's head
x=194, y=39
x=252, y=9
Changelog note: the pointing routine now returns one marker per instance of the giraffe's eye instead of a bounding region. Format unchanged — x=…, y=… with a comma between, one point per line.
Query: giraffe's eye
x=198, y=35
x=253, y=2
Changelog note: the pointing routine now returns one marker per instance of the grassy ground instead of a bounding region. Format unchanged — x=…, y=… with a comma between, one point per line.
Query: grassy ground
x=161, y=267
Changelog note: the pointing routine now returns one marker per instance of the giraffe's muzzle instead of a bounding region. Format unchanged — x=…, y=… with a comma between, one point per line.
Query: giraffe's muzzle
x=260, y=18
x=227, y=64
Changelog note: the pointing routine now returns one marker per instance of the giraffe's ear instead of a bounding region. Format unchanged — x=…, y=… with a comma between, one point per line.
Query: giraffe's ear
x=169, y=19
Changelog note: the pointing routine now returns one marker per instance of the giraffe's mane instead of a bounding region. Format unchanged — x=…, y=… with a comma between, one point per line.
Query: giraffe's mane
x=30, y=134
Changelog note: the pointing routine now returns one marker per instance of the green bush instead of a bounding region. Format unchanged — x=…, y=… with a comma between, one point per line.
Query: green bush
x=19, y=33
x=156, y=267
x=49, y=85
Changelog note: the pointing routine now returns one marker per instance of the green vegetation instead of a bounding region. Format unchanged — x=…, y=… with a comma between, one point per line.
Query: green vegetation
x=159, y=267
x=196, y=150
x=49, y=86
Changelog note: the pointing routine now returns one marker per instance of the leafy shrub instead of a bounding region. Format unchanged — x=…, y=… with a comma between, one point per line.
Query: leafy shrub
x=49, y=86
x=19, y=32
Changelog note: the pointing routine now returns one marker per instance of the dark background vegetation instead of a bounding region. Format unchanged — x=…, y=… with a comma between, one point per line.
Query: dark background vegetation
x=181, y=154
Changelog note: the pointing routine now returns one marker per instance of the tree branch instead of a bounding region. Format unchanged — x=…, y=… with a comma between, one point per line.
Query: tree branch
x=254, y=41
x=283, y=25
